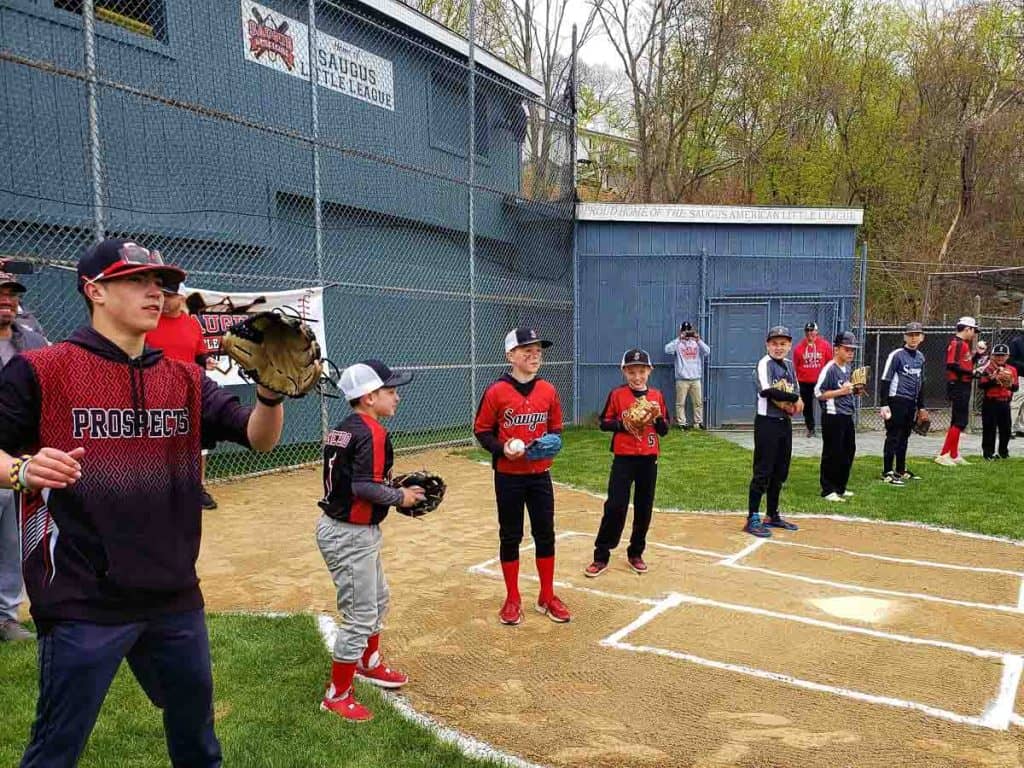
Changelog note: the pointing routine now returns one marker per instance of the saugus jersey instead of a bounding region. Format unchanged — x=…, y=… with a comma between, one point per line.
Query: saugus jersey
x=625, y=443
x=510, y=409
x=358, y=450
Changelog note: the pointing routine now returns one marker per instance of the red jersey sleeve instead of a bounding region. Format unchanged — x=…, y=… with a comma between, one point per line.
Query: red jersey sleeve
x=555, y=412
x=487, y=413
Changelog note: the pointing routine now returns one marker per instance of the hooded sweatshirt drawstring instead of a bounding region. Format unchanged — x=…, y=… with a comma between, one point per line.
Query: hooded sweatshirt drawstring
x=138, y=393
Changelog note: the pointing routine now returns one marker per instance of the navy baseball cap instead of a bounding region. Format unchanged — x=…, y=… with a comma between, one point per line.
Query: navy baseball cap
x=686, y=326
x=913, y=327
x=1000, y=349
x=368, y=376
x=636, y=356
x=120, y=258
x=520, y=337
x=779, y=331
x=846, y=339
x=811, y=326
x=7, y=280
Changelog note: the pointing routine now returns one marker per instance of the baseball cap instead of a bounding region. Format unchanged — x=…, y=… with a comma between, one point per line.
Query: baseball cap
x=686, y=326
x=368, y=376
x=913, y=327
x=968, y=322
x=846, y=339
x=777, y=331
x=120, y=258
x=176, y=290
x=1000, y=349
x=811, y=326
x=636, y=356
x=519, y=337
x=7, y=280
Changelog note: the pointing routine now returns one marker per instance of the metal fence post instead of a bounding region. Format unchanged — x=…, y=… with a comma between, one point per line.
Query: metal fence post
x=95, y=164
x=575, y=257
x=314, y=126
x=471, y=117
x=705, y=332
x=861, y=311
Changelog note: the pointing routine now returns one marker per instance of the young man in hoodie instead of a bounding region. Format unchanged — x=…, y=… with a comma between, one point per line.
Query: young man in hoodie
x=15, y=337
x=108, y=433
x=688, y=353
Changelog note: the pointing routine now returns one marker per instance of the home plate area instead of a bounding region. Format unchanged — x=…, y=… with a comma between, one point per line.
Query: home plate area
x=811, y=616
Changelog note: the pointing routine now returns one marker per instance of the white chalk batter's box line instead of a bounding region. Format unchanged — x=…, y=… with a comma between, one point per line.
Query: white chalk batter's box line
x=998, y=714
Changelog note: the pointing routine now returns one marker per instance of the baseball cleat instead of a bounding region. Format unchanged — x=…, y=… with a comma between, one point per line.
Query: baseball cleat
x=945, y=460
x=892, y=478
x=511, y=613
x=778, y=522
x=382, y=676
x=555, y=610
x=637, y=564
x=848, y=494
x=908, y=475
x=960, y=461
x=595, y=569
x=345, y=706
x=755, y=527
x=833, y=497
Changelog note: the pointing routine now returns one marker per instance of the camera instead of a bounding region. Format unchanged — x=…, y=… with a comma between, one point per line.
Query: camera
x=689, y=334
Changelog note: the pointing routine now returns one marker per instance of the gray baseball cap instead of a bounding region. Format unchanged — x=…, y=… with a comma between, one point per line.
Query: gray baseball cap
x=913, y=327
x=778, y=331
x=846, y=339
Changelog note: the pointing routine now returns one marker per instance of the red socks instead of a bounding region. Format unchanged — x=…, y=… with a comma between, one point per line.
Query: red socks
x=510, y=571
x=952, y=442
x=372, y=645
x=546, y=571
x=342, y=673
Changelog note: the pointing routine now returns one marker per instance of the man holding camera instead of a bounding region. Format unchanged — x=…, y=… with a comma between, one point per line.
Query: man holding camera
x=688, y=351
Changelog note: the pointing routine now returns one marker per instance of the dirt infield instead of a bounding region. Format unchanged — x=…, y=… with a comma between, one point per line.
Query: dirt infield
x=843, y=644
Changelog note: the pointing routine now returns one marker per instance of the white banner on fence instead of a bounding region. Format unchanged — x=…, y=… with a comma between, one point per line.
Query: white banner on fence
x=282, y=43
x=217, y=311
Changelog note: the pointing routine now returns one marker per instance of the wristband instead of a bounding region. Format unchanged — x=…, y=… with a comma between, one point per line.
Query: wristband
x=269, y=401
x=19, y=472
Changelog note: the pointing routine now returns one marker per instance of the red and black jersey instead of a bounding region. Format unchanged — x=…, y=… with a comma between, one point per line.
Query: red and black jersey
x=959, y=361
x=510, y=409
x=121, y=543
x=990, y=385
x=625, y=443
x=358, y=450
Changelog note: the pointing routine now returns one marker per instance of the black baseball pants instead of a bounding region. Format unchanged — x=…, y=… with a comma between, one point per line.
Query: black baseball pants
x=773, y=447
x=513, y=492
x=838, y=447
x=640, y=472
x=995, y=416
x=807, y=395
x=959, y=394
x=897, y=434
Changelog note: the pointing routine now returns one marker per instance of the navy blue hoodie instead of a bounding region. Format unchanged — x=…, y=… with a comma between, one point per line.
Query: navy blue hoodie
x=121, y=544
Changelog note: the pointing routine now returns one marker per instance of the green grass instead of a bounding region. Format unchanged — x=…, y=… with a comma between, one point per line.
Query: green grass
x=269, y=675
x=699, y=471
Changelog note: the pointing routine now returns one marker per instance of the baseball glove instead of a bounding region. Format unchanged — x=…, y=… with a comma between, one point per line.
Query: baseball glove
x=859, y=379
x=433, y=486
x=544, y=447
x=922, y=424
x=276, y=350
x=1004, y=376
x=641, y=413
x=784, y=385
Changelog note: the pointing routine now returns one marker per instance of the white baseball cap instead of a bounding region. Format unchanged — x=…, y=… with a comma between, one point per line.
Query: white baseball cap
x=369, y=376
x=520, y=337
x=968, y=321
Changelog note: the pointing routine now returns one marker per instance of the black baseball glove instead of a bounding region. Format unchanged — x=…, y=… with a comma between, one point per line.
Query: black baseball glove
x=433, y=486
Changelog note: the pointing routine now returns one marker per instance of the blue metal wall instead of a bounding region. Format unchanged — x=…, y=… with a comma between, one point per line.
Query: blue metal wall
x=639, y=280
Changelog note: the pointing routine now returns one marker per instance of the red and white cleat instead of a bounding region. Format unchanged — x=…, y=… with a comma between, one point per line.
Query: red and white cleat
x=345, y=706
x=382, y=675
x=511, y=613
x=555, y=610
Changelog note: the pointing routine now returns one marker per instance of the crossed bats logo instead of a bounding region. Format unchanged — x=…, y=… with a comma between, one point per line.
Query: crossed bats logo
x=270, y=38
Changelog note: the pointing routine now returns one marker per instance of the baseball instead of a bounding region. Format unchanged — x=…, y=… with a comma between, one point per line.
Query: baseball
x=515, y=445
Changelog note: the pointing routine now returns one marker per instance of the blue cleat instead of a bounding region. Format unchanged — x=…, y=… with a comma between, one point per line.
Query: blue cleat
x=778, y=522
x=757, y=528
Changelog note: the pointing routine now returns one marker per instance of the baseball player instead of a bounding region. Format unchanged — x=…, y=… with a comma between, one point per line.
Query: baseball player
x=515, y=410
x=960, y=362
x=15, y=337
x=357, y=496
x=835, y=392
x=179, y=336
x=999, y=381
x=688, y=354
x=635, y=464
x=778, y=399
x=810, y=355
x=901, y=401
x=107, y=433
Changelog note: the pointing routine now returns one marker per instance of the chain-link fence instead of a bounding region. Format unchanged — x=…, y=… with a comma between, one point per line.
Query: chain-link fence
x=879, y=341
x=430, y=192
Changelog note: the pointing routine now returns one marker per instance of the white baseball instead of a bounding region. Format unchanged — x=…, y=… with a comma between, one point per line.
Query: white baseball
x=515, y=445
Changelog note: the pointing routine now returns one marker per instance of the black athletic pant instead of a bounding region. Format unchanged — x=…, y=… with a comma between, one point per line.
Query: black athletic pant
x=513, y=492
x=641, y=472
x=959, y=394
x=897, y=433
x=773, y=446
x=995, y=415
x=838, y=446
x=807, y=395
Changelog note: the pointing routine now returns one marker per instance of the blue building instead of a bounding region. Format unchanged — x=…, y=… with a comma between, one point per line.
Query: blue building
x=733, y=271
